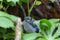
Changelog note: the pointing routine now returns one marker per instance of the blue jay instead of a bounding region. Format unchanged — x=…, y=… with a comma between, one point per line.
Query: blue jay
x=29, y=26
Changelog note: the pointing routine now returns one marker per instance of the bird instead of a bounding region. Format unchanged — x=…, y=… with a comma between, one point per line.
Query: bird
x=29, y=26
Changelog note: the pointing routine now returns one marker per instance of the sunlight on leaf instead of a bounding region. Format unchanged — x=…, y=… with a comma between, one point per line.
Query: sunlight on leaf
x=37, y=3
x=12, y=2
x=1, y=0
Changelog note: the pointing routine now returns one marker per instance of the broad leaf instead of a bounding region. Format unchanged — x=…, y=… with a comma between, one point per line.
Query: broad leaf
x=31, y=36
x=45, y=24
x=11, y=17
x=12, y=2
x=1, y=0
x=6, y=23
x=53, y=32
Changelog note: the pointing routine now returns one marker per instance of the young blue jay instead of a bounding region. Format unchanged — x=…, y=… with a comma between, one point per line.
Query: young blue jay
x=29, y=26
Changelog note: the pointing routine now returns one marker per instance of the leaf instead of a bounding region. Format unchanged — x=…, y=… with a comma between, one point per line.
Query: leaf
x=6, y=23
x=45, y=24
x=52, y=1
x=57, y=39
x=1, y=6
x=1, y=0
x=41, y=39
x=37, y=2
x=51, y=33
x=12, y=2
x=31, y=36
x=54, y=20
x=11, y=17
x=20, y=2
x=57, y=33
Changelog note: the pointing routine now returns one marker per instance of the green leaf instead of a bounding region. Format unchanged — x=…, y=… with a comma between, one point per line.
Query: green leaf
x=1, y=0
x=12, y=2
x=52, y=33
x=37, y=2
x=31, y=36
x=20, y=2
x=52, y=1
x=57, y=39
x=57, y=33
x=11, y=17
x=6, y=23
x=41, y=39
x=54, y=20
x=45, y=24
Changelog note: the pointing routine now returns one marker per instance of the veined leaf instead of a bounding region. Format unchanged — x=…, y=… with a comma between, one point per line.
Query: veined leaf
x=6, y=23
x=11, y=17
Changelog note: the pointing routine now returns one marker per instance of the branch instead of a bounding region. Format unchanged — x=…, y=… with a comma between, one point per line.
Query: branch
x=18, y=29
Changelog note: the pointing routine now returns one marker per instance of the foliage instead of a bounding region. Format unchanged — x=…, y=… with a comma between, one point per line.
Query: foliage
x=37, y=3
x=31, y=36
x=7, y=22
x=52, y=1
x=50, y=30
x=47, y=27
x=31, y=8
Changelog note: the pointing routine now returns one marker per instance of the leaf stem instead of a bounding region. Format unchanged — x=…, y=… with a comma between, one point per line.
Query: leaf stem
x=28, y=6
x=23, y=10
x=29, y=12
